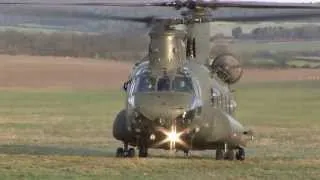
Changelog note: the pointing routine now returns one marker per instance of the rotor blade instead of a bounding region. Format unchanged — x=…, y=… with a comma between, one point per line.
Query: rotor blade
x=191, y=4
x=257, y=5
x=62, y=13
x=89, y=4
x=147, y=19
x=59, y=13
x=52, y=13
x=270, y=17
x=91, y=15
x=96, y=15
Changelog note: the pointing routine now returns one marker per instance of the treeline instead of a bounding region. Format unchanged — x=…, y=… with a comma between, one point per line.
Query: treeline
x=106, y=46
x=267, y=59
x=73, y=44
x=309, y=32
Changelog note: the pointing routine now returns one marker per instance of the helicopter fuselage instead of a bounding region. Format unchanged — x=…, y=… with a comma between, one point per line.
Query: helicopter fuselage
x=179, y=99
x=195, y=116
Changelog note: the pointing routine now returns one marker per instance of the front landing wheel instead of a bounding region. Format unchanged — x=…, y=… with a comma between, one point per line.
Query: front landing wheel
x=143, y=151
x=219, y=154
x=120, y=152
x=240, y=155
x=229, y=155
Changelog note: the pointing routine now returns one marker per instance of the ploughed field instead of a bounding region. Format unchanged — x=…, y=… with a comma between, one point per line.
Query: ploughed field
x=56, y=119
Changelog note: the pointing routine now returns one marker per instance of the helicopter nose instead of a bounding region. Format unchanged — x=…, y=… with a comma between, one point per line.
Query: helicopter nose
x=164, y=105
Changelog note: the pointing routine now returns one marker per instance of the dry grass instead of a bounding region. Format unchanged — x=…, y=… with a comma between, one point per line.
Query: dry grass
x=34, y=72
x=65, y=133
x=60, y=73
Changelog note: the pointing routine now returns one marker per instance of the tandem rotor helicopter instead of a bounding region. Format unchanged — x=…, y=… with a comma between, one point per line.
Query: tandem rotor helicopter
x=179, y=95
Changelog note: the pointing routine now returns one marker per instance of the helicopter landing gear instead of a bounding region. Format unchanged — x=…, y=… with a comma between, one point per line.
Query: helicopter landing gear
x=219, y=154
x=120, y=152
x=240, y=154
x=143, y=151
x=131, y=152
x=125, y=151
x=229, y=155
x=186, y=153
x=224, y=153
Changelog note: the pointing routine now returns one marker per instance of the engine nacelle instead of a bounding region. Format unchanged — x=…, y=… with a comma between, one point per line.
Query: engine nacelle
x=227, y=68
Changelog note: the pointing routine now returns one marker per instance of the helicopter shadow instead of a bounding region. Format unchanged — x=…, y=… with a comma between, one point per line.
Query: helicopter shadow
x=181, y=157
x=24, y=149
x=41, y=150
x=54, y=150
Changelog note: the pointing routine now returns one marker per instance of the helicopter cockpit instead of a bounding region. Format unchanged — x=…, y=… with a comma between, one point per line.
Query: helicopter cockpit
x=179, y=83
x=142, y=81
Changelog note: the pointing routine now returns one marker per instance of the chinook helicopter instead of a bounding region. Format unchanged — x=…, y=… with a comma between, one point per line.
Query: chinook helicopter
x=179, y=95
x=176, y=102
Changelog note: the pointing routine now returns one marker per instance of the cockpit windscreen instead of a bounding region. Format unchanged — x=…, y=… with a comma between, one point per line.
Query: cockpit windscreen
x=179, y=83
x=145, y=83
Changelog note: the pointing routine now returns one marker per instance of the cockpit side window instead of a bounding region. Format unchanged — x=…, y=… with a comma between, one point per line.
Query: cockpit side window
x=145, y=84
x=182, y=84
x=164, y=84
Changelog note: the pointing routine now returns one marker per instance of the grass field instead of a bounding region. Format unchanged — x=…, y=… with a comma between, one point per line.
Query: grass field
x=301, y=63
x=64, y=134
x=299, y=46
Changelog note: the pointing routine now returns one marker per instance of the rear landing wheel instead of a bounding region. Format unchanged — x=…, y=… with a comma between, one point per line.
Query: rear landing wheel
x=229, y=155
x=186, y=153
x=240, y=155
x=143, y=151
x=125, y=152
x=131, y=152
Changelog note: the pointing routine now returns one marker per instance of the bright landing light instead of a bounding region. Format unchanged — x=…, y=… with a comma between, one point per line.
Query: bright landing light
x=172, y=137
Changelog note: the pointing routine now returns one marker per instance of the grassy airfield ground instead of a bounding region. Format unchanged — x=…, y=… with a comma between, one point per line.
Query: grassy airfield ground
x=56, y=119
